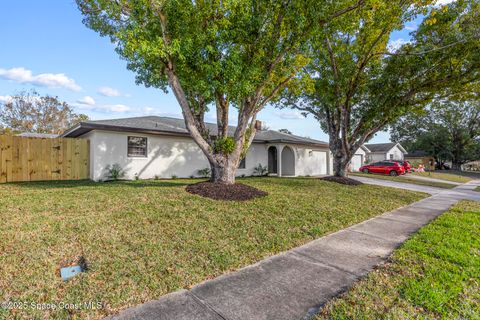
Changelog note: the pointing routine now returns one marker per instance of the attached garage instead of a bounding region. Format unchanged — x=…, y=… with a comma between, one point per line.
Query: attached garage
x=312, y=162
x=356, y=162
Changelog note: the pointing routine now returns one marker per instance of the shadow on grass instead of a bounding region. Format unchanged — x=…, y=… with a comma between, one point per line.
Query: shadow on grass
x=110, y=184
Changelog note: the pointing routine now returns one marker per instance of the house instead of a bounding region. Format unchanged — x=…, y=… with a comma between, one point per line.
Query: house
x=418, y=157
x=151, y=146
x=385, y=151
x=374, y=152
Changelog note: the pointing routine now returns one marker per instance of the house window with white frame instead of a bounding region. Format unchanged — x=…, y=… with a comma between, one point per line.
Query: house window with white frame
x=137, y=147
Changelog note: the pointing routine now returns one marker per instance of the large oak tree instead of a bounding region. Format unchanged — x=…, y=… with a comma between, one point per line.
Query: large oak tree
x=359, y=84
x=214, y=55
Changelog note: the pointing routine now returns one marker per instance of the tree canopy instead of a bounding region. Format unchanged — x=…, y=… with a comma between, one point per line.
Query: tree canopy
x=447, y=130
x=359, y=84
x=31, y=112
x=214, y=55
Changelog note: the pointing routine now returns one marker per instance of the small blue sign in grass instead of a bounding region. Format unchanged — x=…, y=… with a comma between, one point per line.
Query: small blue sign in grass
x=70, y=272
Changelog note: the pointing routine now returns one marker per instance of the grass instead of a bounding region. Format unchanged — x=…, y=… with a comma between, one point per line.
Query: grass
x=405, y=179
x=434, y=275
x=143, y=239
x=444, y=176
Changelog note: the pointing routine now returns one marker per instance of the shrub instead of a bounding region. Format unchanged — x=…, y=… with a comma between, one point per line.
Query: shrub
x=174, y=177
x=114, y=172
x=224, y=145
x=260, y=170
x=204, y=173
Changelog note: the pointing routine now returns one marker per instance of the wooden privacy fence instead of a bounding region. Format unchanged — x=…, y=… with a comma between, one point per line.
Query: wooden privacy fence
x=37, y=159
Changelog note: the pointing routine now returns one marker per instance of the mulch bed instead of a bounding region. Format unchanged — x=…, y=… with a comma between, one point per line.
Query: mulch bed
x=220, y=191
x=342, y=180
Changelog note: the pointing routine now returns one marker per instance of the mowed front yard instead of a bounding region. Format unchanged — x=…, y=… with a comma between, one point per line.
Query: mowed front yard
x=434, y=275
x=143, y=239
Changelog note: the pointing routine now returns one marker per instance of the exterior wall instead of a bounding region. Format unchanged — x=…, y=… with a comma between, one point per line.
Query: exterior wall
x=396, y=153
x=167, y=156
x=375, y=157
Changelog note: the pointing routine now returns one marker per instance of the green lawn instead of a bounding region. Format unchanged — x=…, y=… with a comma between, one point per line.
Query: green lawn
x=143, y=239
x=434, y=275
x=444, y=176
x=404, y=179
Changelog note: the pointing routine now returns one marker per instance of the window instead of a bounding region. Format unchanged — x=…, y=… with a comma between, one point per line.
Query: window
x=137, y=147
x=242, y=164
x=391, y=156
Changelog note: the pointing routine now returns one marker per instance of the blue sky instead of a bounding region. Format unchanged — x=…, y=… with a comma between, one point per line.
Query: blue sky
x=46, y=47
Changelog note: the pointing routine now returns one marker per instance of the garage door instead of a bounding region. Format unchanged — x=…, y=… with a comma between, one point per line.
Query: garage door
x=318, y=163
x=356, y=162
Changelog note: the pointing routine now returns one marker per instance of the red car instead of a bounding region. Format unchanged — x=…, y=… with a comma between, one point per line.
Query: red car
x=405, y=164
x=392, y=168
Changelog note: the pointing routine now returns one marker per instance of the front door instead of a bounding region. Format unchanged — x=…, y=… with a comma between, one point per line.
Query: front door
x=272, y=160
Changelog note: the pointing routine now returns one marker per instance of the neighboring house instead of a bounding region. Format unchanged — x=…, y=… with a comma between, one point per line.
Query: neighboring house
x=385, y=151
x=418, y=157
x=374, y=152
x=359, y=158
x=153, y=146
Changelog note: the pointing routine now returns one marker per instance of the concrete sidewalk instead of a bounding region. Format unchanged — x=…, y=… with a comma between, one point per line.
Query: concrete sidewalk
x=296, y=283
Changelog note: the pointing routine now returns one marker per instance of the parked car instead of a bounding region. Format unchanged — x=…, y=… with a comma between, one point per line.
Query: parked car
x=392, y=168
x=405, y=164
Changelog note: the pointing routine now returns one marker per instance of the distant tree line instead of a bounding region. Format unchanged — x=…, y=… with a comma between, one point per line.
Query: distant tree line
x=28, y=111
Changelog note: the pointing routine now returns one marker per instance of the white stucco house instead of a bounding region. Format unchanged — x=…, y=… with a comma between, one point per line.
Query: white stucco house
x=153, y=146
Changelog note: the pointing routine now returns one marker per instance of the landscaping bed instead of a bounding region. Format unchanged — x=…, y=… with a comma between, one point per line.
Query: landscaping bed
x=342, y=180
x=144, y=239
x=219, y=191
x=434, y=275
x=404, y=179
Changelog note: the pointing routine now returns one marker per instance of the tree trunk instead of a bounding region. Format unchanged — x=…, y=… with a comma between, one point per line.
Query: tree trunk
x=223, y=171
x=340, y=166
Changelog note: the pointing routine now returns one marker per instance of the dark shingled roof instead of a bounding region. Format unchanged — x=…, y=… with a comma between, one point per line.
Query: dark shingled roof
x=418, y=153
x=174, y=126
x=380, y=147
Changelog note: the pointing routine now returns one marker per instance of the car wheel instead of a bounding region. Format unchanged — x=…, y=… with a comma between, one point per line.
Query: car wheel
x=393, y=173
x=365, y=170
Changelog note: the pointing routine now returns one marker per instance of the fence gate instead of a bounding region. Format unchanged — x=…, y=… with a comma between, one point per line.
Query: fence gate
x=37, y=159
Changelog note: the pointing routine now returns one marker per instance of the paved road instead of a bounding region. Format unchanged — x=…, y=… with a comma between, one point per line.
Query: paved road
x=296, y=283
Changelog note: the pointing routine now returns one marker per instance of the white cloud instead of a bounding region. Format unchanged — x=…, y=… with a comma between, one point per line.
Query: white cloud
x=5, y=99
x=444, y=2
x=290, y=115
x=87, y=100
x=411, y=26
x=109, y=92
x=109, y=108
x=117, y=108
x=394, y=45
x=50, y=80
